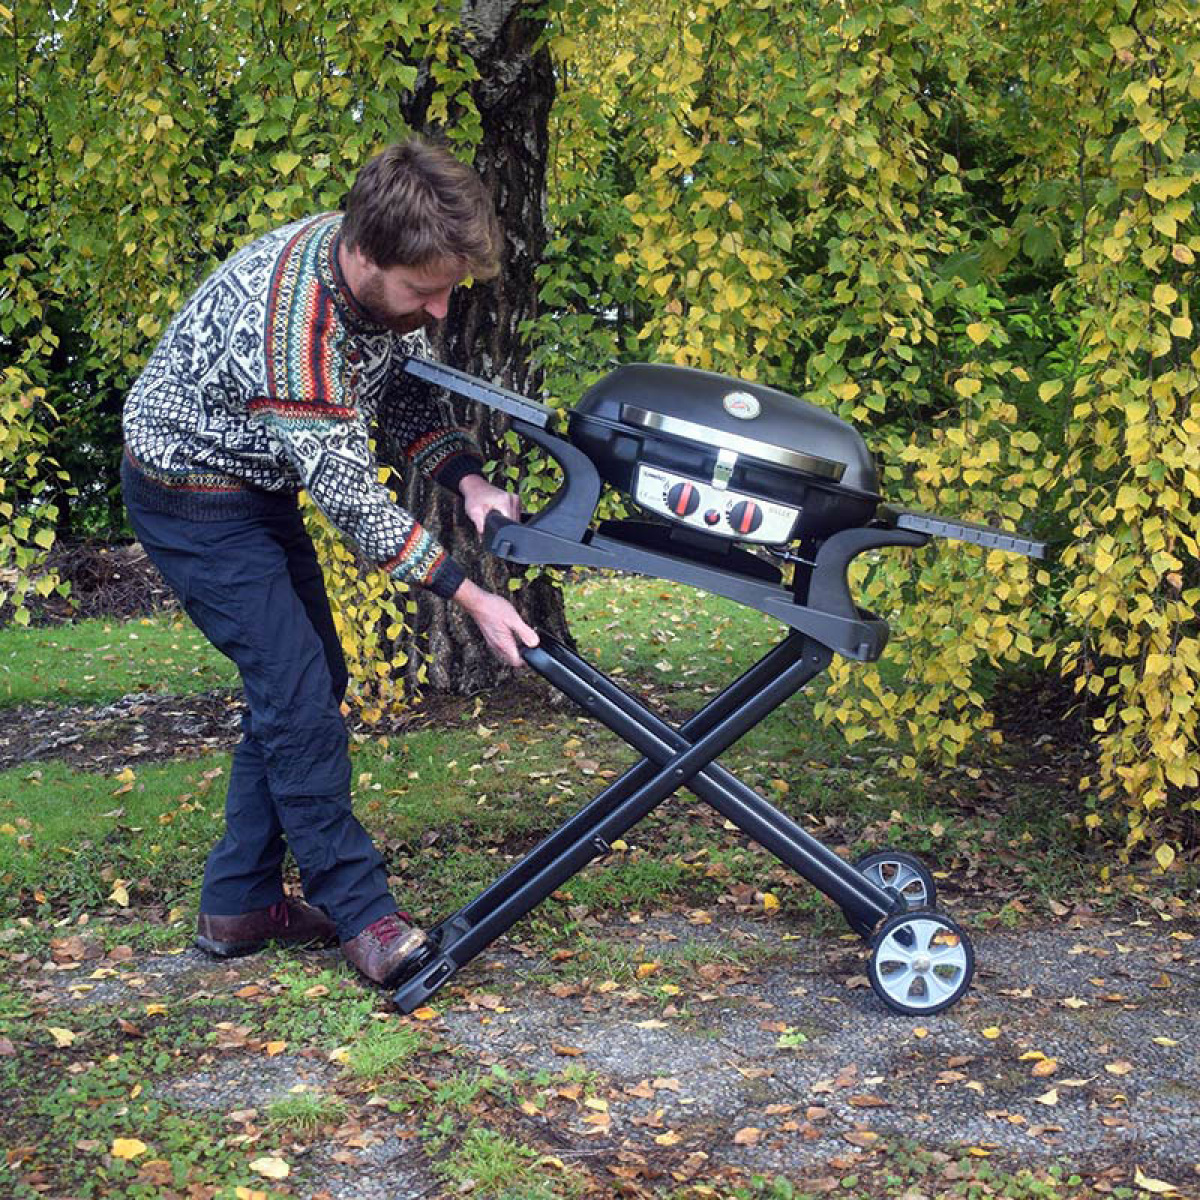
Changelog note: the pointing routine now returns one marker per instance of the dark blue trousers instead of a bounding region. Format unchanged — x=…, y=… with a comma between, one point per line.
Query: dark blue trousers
x=255, y=589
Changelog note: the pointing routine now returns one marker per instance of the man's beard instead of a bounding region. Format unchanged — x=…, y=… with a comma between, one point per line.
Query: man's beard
x=371, y=297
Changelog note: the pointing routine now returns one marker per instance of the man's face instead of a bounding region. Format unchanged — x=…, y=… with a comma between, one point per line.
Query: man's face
x=404, y=298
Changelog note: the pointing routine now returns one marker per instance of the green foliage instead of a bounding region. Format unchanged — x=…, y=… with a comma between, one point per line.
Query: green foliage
x=969, y=226
x=970, y=229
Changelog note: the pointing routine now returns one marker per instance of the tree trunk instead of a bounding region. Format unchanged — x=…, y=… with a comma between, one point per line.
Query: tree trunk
x=482, y=331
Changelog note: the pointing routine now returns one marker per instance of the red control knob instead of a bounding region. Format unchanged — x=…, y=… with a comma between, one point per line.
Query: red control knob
x=745, y=516
x=683, y=499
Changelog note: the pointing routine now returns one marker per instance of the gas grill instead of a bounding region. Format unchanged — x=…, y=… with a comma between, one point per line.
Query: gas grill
x=754, y=495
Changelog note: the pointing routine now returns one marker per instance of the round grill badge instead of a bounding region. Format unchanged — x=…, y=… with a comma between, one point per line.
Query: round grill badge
x=742, y=405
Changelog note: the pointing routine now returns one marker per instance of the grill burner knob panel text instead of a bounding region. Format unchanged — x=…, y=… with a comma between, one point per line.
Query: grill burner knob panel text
x=700, y=505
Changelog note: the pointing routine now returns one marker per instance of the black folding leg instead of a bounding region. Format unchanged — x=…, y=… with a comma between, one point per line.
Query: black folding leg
x=864, y=903
x=676, y=760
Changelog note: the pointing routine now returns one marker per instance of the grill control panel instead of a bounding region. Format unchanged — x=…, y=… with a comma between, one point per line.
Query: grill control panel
x=714, y=509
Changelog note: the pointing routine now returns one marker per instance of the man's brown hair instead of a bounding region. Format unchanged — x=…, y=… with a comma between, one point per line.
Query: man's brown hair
x=416, y=205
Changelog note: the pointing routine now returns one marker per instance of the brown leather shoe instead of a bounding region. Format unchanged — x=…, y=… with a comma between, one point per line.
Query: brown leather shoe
x=386, y=949
x=290, y=921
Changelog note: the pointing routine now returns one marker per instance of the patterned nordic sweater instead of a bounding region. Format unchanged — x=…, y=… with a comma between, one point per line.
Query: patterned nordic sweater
x=272, y=379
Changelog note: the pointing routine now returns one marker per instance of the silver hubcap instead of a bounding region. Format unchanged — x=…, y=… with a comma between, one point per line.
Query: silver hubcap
x=921, y=963
x=903, y=878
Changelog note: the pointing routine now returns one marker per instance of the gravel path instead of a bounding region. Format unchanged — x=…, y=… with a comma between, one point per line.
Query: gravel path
x=1076, y=1045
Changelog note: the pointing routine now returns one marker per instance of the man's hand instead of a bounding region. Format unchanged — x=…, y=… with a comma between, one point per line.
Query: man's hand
x=501, y=625
x=481, y=498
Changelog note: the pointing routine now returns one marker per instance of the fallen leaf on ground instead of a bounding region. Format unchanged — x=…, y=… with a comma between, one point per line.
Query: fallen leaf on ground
x=271, y=1166
x=127, y=1148
x=1159, y=1187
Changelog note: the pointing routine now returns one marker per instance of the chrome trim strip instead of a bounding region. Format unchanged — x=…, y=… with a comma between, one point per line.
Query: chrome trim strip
x=678, y=427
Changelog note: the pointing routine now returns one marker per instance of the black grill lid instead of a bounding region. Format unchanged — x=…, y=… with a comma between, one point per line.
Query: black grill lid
x=747, y=418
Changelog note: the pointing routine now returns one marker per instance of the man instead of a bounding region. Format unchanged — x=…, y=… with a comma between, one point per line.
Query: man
x=271, y=379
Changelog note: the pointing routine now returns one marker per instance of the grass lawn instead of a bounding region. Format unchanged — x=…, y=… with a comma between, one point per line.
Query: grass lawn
x=474, y=790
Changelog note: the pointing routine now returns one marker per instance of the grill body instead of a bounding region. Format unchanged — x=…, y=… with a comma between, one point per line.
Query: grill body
x=724, y=456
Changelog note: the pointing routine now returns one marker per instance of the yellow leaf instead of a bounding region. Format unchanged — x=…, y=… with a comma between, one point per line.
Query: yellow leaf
x=155, y=1010
x=271, y=1166
x=127, y=1148
x=992, y=1032
x=967, y=387
x=120, y=894
x=1164, y=856
x=274, y=1048
x=770, y=902
x=62, y=1037
x=425, y=1013
x=667, y=1139
x=646, y=969
x=1168, y=187
x=1118, y=1068
x=1160, y=1187
x=1048, y=1098
x=979, y=332
x=1050, y=389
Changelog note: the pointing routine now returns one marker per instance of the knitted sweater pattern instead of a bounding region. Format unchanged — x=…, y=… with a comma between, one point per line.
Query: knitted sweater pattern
x=272, y=379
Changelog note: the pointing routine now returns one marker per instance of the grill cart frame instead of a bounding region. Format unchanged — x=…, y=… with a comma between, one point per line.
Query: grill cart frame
x=921, y=961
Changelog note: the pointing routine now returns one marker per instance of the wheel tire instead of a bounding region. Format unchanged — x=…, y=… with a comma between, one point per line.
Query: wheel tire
x=903, y=871
x=921, y=963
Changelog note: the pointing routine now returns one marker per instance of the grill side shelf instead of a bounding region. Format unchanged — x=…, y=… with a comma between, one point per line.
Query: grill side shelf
x=963, y=531
x=491, y=394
